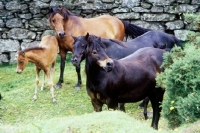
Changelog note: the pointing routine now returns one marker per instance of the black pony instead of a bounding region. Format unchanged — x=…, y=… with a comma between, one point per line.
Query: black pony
x=117, y=49
x=127, y=80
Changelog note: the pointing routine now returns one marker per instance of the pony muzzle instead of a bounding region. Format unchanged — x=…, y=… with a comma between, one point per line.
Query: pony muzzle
x=107, y=64
x=75, y=61
x=19, y=71
x=61, y=34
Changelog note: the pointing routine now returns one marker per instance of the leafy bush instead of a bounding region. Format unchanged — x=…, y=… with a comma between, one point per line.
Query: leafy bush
x=182, y=82
x=181, y=79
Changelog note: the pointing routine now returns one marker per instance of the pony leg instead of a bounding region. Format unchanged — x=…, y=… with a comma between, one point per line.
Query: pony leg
x=157, y=106
x=112, y=104
x=146, y=101
x=78, y=85
x=36, y=83
x=122, y=107
x=62, y=68
x=50, y=83
x=43, y=82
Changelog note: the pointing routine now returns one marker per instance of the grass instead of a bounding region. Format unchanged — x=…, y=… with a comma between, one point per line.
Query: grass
x=73, y=111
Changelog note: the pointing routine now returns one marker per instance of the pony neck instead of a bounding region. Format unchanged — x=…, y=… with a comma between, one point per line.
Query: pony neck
x=93, y=72
x=34, y=55
x=72, y=25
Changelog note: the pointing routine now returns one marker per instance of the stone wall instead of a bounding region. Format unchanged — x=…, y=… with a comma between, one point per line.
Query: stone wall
x=24, y=22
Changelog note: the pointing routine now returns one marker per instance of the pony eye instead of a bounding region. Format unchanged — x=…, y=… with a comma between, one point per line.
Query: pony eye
x=53, y=21
x=94, y=52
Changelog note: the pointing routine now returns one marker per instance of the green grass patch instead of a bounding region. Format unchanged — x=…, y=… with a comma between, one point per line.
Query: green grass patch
x=72, y=113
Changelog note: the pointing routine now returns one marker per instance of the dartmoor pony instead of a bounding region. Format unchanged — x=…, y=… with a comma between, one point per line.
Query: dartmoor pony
x=127, y=80
x=117, y=49
x=67, y=25
x=44, y=58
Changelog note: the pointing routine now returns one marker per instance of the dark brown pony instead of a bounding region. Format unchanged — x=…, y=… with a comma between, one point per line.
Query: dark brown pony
x=67, y=24
x=44, y=58
x=127, y=80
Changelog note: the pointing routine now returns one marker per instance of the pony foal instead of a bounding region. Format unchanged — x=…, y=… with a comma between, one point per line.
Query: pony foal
x=44, y=58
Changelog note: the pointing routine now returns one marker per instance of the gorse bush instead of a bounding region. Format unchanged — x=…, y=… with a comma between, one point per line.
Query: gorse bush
x=181, y=80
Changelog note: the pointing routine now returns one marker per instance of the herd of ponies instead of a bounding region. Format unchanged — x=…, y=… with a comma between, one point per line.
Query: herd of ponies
x=117, y=72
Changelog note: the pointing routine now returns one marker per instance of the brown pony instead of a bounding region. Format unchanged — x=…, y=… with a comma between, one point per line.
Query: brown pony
x=44, y=58
x=67, y=25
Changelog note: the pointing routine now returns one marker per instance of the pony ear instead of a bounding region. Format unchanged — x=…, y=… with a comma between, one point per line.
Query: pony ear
x=21, y=53
x=99, y=38
x=89, y=40
x=74, y=38
x=86, y=36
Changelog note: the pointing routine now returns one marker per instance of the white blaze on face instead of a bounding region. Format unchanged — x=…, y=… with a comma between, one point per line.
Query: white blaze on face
x=103, y=63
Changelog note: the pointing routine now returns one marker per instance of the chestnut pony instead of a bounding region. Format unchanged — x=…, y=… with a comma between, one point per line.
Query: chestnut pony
x=44, y=58
x=66, y=25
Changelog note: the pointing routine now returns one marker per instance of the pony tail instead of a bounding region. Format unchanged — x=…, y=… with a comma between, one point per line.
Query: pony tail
x=178, y=42
x=132, y=30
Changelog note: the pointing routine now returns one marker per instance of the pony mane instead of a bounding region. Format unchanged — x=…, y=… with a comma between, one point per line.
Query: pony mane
x=118, y=42
x=93, y=37
x=32, y=48
x=62, y=11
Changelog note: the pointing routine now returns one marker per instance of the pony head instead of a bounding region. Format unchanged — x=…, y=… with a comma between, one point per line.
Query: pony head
x=22, y=61
x=58, y=17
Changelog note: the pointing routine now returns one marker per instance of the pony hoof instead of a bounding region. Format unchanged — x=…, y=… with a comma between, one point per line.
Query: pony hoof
x=77, y=88
x=140, y=107
x=34, y=99
x=57, y=86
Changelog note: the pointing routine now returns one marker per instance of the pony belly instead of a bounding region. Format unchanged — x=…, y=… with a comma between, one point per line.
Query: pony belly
x=129, y=98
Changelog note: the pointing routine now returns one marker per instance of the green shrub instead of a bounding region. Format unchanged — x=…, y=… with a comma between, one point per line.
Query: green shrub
x=181, y=80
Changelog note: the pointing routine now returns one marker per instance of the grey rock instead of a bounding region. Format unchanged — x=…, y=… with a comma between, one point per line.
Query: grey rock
x=1, y=6
x=120, y=10
x=140, y=9
x=160, y=2
x=149, y=25
x=25, y=45
x=13, y=58
x=157, y=9
x=14, y=23
x=48, y=32
x=2, y=24
x=130, y=3
x=4, y=58
x=182, y=8
x=25, y=16
x=131, y=15
x=178, y=24
x=18, y=33
x=39, y=4
x=157, y=17
x=13, y=5
x=8, y=45
x=182, y=34
x=183, y=1
x=41, y=23
x=146, y=5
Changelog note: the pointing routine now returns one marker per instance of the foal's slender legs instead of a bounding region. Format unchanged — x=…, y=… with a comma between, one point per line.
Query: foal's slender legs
x=36, y=83
x=50, y=74
x=43, y=82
